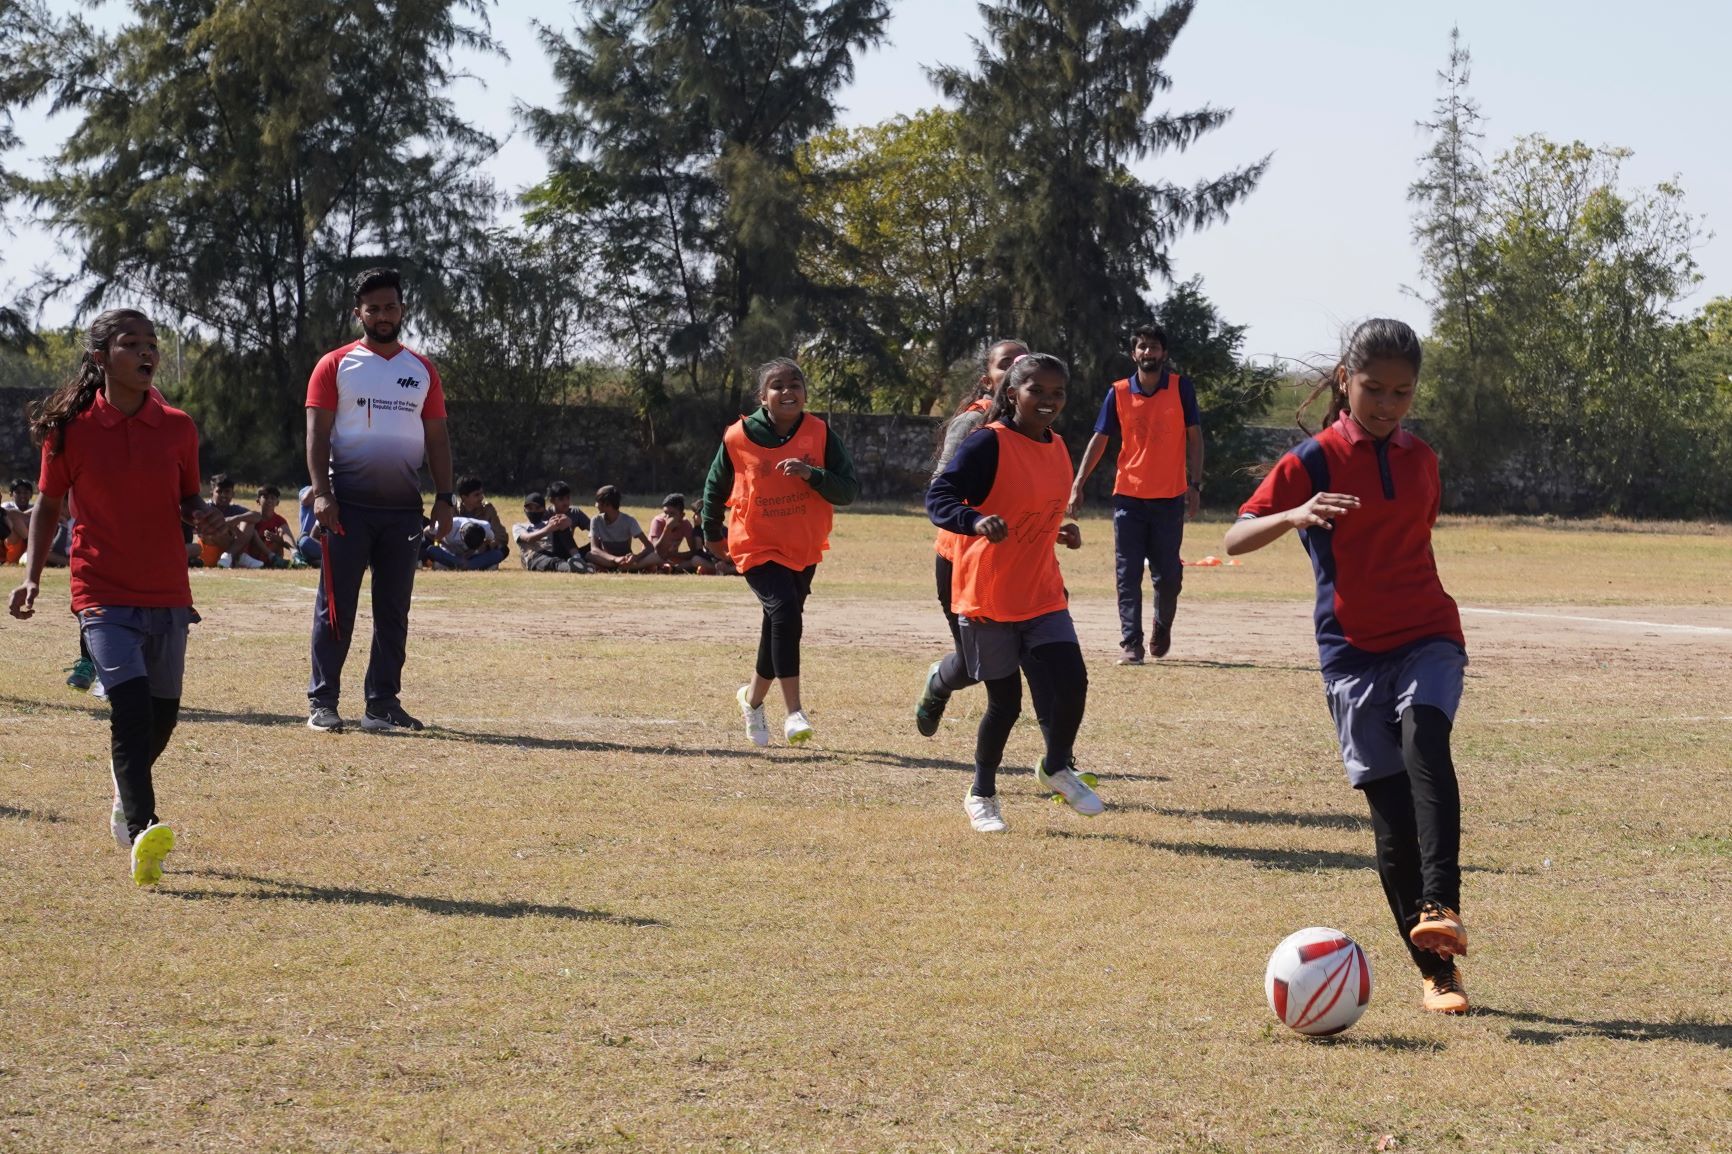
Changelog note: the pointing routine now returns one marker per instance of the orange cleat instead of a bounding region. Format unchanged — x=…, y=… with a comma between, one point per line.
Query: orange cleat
x=1446, y=993
x=1440, y=931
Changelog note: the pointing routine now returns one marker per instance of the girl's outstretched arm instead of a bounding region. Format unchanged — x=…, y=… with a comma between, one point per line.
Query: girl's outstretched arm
x=1252, y=533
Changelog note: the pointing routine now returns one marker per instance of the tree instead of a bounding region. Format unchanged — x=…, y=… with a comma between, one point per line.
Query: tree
x=508, y=334
x=687, y=115
x=1577, y=347
x=237, y=161
x=1450, y=197
x=19, y=21
x=1060, y=103
x=905, y=214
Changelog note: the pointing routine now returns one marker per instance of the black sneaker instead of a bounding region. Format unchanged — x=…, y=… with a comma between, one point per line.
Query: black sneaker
x=324, y=719
x=389, y=720
x=929, y=710
x=1163, y=640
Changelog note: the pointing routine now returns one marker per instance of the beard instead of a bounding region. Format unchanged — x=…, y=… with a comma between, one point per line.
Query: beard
x=1151, y=364
x=384, y=332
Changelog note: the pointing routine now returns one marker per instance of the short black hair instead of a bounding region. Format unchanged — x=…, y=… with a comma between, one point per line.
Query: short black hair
x=378, y=278
x=23, y=483
x=534, y=499
x=221, y=481
x=468, y=485
x=607, y=495
x=270, y=491
x=559, y=489
x=1150, y=332
x=677, y=500
x=473, y=536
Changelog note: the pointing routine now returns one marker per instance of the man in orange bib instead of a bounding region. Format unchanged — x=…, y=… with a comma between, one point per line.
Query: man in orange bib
x=1159, y=485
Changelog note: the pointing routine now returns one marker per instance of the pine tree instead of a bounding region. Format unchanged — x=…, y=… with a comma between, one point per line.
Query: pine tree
x=1060, y=103
x=688, y=115
x=1450, y=195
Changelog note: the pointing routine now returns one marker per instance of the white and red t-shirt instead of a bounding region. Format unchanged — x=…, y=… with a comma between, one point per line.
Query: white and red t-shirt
x=377, y=442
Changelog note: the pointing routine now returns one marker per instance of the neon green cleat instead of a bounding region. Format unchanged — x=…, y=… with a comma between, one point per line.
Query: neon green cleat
x=148, y=850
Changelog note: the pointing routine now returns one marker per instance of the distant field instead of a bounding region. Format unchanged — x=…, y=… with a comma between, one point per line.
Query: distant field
x=582, y=913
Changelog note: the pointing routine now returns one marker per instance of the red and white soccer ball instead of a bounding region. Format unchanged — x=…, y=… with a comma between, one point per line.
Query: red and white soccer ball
x=1318, y=981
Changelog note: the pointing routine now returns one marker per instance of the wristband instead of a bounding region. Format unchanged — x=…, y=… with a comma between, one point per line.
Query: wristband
x=1198, y=486
x=450, y=499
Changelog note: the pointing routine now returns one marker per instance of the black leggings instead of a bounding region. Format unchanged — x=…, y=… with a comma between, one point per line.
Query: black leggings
x=782, y=592
x=1416, y=819
x=1056, y=673
x=139, y=728
x=953, y=672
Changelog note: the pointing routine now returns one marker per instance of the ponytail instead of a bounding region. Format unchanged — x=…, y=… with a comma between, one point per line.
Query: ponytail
x=50, y=416
x=1377, y=339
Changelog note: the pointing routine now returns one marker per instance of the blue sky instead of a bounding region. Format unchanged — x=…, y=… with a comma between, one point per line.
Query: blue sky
x=1331, y=88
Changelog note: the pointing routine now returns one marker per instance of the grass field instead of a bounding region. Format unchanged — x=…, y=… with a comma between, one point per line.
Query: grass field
x=582, y=913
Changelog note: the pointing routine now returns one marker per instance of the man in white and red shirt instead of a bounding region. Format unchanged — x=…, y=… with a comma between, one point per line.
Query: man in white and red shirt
x=375, y=412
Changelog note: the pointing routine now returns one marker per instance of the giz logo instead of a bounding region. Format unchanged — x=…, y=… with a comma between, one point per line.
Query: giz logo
x=408, y=382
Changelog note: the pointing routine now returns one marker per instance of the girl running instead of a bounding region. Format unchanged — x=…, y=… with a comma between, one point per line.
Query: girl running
x=1005, y=492
x=1364, y=494
x=950, y=672
x=133, y=463
x=768, y=471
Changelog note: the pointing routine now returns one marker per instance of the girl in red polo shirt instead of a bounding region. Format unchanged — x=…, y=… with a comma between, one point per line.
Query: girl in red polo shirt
x=132, y=462
x=780, y=470
x=1364, y=494
x=1005, y=492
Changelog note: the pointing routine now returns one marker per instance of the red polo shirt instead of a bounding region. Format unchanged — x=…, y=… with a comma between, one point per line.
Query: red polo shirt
x=1377, y=583
x=127, y=476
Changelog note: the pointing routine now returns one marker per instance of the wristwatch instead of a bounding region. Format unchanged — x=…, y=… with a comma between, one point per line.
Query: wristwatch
x=1198, y=486
x=450, y=499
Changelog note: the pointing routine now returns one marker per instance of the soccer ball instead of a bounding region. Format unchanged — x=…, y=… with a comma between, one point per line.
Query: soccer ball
x=1318, y=981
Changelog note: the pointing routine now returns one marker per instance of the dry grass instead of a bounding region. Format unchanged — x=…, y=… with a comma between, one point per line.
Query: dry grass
x=583, y=914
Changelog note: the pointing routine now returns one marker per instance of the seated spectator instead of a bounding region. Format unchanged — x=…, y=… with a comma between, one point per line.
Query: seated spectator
x=238, y=545
x=472, y=502
x=469, y=545
x=536, y=539
x=274, y=532
x=309, y=549
x=611, y=533
x=675, y=539
x=16, y=522
x=559, y=497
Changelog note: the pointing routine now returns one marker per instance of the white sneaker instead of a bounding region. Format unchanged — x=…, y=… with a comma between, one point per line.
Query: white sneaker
x=797, y=730
x=1067, y=785
x=756, y=727
x=117, y=816
x=97, y=689
x=983, y=813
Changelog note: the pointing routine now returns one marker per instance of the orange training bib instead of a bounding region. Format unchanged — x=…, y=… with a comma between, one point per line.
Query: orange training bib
x=1017, y=578
x=1152, y=428
x=777, y=518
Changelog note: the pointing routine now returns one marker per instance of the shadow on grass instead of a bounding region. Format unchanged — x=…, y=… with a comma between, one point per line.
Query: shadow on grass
x=23, y=814
x=1200, y=663
x=1297, y=860
x=1346, y=821
x=1553, y=1030
x=1387, y=1043
x=272, y=889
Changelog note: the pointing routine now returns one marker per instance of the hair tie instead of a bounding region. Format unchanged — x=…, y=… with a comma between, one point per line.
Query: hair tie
x=1020, y=357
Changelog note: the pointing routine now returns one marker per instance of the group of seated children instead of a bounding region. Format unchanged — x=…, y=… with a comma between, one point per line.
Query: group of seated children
x=15, y=526
x=250, y=538
x=547, y=539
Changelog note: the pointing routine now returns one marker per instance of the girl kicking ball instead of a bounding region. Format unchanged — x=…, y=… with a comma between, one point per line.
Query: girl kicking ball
x=1005, y=492
x=132, y=462
x=1364, y=494
x=780, y=470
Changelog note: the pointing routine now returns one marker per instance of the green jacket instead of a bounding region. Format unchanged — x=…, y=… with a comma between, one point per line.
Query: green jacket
x=835, y=482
